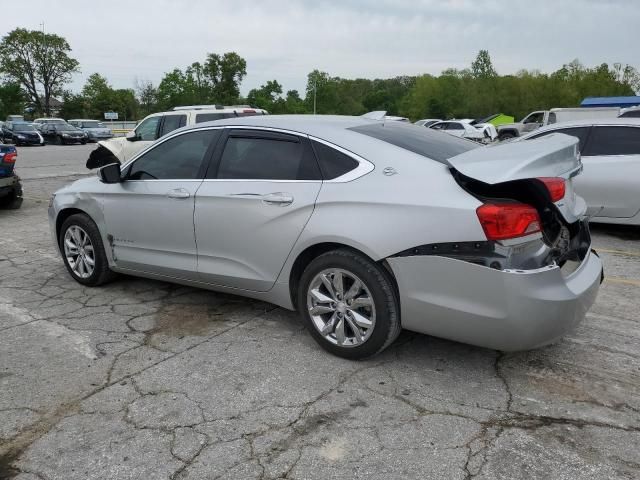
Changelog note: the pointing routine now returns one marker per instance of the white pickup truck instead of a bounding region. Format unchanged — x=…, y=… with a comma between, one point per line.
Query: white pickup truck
x=535, y=120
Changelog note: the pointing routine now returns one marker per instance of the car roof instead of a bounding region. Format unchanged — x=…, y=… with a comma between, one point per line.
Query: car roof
x=634, y=122
x=84, y=120
x=335, y=129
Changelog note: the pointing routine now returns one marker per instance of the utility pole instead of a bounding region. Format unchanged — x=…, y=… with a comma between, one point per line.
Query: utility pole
x=44, y=62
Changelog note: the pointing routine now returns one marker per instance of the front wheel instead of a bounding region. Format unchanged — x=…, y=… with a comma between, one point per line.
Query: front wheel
x=349, y=304
x=83, y=252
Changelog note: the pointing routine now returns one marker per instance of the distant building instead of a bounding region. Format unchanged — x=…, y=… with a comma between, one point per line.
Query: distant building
x=621, y=102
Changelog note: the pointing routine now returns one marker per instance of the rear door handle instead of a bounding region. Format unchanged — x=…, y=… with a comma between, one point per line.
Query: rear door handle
x=178, y=194
x=280, y=199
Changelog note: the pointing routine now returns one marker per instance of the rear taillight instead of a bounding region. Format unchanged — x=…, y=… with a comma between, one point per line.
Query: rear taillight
x=555, y=186
x=502, y=221
x=10, y=157
x=248, y=110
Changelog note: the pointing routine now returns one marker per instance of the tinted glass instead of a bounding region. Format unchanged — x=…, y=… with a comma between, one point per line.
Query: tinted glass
x=177, y=158
x=267, y=159
x=23, y=127
x=332, y=162
x=454, y=126
x=534, y=118
x=172, y=122
x=148, y=129
x=631, y=114
x=580, y=133
x=614, y=141
x=433, y=145
x=209, y=117
x=439, y=126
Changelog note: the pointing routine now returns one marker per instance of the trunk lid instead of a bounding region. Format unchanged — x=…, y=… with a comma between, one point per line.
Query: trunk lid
x=554, y=155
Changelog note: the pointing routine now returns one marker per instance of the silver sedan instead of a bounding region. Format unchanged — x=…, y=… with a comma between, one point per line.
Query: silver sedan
x=364, y=226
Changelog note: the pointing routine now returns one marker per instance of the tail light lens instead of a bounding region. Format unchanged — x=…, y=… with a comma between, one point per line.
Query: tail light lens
x=508, y=220
x=555, y=186
x=10, y=157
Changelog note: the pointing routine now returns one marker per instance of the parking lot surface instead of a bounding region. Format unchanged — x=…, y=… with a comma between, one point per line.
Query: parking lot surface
x=144, y=379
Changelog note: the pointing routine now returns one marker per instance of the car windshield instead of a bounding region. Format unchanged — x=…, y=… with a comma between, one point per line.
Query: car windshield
x=94, y=124
x=425, y=142
x=65, y=127
x=23, y=127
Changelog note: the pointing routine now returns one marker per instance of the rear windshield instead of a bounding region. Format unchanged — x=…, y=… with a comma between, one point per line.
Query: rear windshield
x=438, y=146
x=209, y=117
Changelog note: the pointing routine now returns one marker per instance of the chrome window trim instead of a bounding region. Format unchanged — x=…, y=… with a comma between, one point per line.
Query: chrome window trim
x=364, y=166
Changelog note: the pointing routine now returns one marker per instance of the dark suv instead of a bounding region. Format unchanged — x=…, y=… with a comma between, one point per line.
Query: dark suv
x=10, y=187
x=62, y=133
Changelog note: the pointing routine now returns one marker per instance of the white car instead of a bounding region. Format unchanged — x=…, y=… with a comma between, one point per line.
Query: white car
x=427, y=122
x=610, y=151
x=156, y=125
x=459, y=129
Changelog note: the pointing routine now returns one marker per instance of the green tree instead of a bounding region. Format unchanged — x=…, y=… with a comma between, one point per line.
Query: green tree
x=269, y=97
x=12, y=99
x=147, y=96
x=225, y=73
x=39, y=62
x=482, y=67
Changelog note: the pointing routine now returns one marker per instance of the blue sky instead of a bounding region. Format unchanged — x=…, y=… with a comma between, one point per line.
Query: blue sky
x=285, y=40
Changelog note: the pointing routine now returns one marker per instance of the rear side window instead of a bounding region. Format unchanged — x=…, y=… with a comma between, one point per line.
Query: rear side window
x=333, y=163
x=210, y=117
x=433, y=145
x=172, y=122
x=613, y=141
x=454, y=126
x=178, y=158
x=251, y=158
x=581, y=133
x=631, y=114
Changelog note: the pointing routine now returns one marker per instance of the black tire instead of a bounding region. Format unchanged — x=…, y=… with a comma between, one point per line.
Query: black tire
x=84, y=142
x=506, y=136
x=101, y=273
x=381, y=287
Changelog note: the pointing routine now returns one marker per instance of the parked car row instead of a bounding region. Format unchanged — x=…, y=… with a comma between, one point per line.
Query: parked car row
x=487, y=245
x=52, y=130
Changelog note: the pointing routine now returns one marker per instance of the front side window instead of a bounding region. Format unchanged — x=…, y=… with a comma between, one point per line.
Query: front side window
x=439, y=126
x=172, y=122
x=178, y=158
x=148, y=129
x=278, y=158
x=614, y=141
x=581, y=133
x=536, y=117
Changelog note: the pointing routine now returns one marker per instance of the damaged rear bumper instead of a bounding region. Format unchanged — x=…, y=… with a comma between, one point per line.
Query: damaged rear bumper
x=501, y=309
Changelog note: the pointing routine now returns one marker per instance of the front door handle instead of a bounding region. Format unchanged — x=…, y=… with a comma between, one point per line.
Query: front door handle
x=178, y=194
x=280, y=199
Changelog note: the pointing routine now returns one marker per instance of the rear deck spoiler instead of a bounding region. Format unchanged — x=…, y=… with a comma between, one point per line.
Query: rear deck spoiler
x=554, y=155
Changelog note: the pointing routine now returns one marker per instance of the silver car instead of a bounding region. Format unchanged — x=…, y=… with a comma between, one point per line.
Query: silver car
x=610, y=151
x=364, y=226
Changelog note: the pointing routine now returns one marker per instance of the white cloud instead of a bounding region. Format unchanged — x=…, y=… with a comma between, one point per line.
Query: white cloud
x=286, y=40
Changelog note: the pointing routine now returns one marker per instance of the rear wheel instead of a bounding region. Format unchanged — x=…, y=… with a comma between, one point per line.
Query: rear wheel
x=507, y=136
x=83, y=252
x=348, y=304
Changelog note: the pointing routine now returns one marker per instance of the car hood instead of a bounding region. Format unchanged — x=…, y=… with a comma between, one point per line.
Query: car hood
x=554, y=155
x=115, y=146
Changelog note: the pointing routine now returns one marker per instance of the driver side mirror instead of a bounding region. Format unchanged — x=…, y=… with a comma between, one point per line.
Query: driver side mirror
x=132, y=136
x=110, y=173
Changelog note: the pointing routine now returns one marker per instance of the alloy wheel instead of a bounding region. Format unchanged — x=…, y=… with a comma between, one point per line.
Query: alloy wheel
x=341, y=307
x=79, y=252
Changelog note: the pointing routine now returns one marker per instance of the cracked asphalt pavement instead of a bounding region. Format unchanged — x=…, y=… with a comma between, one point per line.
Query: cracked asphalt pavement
x=146, y=380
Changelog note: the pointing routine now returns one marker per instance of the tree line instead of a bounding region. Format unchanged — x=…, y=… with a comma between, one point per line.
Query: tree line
x=36, y=67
